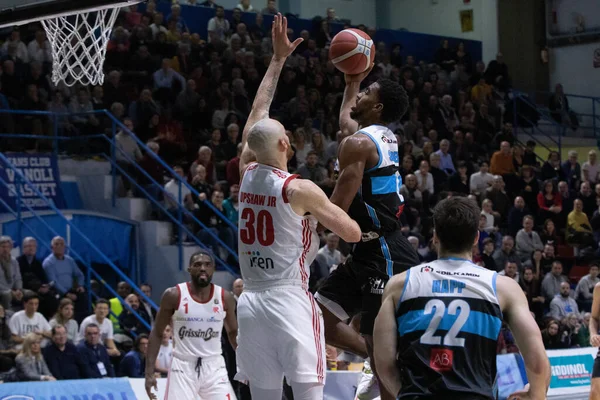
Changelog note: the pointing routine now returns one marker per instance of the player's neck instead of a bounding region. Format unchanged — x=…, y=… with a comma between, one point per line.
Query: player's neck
x=468, y=255
x=274, y=163
x=368, y=122
x=200, y=291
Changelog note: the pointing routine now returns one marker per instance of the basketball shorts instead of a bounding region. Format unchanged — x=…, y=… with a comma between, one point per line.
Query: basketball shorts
x=356, y=286
x=367, y=387
x=596, y=368
x=280, y=334
x=201, y=380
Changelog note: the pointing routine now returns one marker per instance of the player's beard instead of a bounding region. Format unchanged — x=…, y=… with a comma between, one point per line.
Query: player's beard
x=202, y=282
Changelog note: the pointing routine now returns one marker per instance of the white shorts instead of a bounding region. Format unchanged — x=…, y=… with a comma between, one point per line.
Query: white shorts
x=208, y=382
x=280, y=334
x=367, y=387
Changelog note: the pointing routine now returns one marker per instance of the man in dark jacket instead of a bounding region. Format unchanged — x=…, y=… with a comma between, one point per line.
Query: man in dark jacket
x=35, y=279
x=62, y=357
x=133, y=364
x=94, y=355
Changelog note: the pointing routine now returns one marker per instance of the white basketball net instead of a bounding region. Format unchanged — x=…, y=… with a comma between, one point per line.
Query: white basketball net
x=78, y=44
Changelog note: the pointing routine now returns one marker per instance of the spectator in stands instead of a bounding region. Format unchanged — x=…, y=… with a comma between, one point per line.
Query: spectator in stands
x=204, y=159
x=28, y=320
x=425, y=179
x=552, y=281
x=165, y=353
x=588, y=198
x=559, y=108
x=482, y=180
x=129, y=322
x=535, y=263
x=583, y=337
x=167, y=83
x=551, y=168
x=562, y=304
x=506, y=253
x=311, y=169
x=66, y=277
x=133, y=363
x=579, y=229
x=15, y=42
x=81, y=106
x=64, y=318
x=487, y=255
x=572, y=171
x=329, y=256
x=11, y=284
x=440, y=177
x=233, y=167
x=94, y=355
x=215, y=223
x=271, y=8
x=245, y=6
x=39, y=49
x=510, y=271
x=590, y=169
x=103, y=324
x=531, y=286
x=178, y=18
x=34, y=277
x=498, y=196
x=490, y=216
x=172, y=200
x=528, y=240
x=516, y=215
x=497, y=73
x=549, y=235
x=62, y=357
x=128, y=153
x=146, y=288
x=551, y=337
x=231, y=204
x=446, y=162
x=585, y=288
x=549, y=201
x=123, y=290
x=548, y=258
x=7, y=350
x=30, y=362
x=502, y=161
x=528, y=188
x=218, y=26
x=459, y=181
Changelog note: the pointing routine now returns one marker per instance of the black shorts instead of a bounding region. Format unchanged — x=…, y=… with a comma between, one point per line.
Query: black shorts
x=596, y=368
x=356, y=286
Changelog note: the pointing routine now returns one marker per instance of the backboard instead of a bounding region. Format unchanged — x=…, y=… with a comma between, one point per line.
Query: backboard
x=21, y=12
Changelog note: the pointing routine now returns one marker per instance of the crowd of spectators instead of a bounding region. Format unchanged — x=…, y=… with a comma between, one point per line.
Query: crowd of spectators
x=188, y=97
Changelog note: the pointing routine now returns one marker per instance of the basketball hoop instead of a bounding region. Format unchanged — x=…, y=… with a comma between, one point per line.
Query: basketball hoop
x=78, y=35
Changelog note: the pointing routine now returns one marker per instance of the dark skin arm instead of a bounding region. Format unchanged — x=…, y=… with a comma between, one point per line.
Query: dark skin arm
x=168, y=305
x=357, y=153
x=231, y=325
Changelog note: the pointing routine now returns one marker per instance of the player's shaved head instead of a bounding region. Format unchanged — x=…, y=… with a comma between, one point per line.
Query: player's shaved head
x=264, y=138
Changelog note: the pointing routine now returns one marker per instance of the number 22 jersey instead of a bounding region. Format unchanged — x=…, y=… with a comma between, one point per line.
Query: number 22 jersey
x=448, y=320
x=276, y=245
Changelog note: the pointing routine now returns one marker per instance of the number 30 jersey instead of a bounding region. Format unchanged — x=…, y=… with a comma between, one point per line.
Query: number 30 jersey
x=448, y=320
x=276, y=245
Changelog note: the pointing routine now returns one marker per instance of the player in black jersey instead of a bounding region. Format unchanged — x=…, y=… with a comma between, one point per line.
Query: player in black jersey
x=368, y=189
x=436, y=333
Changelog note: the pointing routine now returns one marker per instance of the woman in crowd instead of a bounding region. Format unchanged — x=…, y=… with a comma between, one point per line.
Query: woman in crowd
x=64, y=316
x=532, y=288
x=529, y=188
x=549, y=234
x=535, y=263
x=549, y=201
x=30, y=363
x=570, y=330
x=551, y=337
x=487, y=254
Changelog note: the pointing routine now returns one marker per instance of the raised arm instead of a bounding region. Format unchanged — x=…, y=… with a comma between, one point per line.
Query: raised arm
x=528, y=337
x=306, y=197
x=347, y=125
x=385, y=336
x=168, y=305
x=282, y=48
x=352, y=158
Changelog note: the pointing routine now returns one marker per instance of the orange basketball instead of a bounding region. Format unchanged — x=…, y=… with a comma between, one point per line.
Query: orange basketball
x=352, y=51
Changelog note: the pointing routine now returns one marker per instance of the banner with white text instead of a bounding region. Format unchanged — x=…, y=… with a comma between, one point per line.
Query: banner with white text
x=41, y=170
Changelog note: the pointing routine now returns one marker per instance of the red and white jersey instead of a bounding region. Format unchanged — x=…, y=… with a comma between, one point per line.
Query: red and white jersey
x=276, y=245
x=197, y=326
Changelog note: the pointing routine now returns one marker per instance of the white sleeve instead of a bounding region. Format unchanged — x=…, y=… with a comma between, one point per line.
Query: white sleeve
x=81, y=333
x=111, y=331
x=44, y=323
x=13, y=324
x=211, y=25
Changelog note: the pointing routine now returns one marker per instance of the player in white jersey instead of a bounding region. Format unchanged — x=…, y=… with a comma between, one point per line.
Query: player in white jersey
x=281, y=327
x=198, y=310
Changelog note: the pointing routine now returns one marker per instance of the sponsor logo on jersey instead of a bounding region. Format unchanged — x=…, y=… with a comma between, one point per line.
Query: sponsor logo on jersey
x=215, y=309
x=260, y=262
x=386, y=139
x=427, y=268
x=457, y=273
x=441, y=359
x=216, y=301
x=377, y=285
x=210, y=333
x=189, y=319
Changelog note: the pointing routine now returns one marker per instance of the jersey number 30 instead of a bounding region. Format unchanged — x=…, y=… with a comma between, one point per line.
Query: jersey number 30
x=257, y=227
x=438, y=309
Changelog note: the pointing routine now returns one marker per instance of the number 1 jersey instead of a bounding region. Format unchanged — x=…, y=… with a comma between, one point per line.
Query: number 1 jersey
x=276, y=245
x=448, y=320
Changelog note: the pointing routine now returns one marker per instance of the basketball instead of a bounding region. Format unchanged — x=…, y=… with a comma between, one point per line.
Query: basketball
x=352, y=51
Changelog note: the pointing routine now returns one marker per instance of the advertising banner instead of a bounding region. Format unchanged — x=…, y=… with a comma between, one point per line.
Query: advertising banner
x=96, y=389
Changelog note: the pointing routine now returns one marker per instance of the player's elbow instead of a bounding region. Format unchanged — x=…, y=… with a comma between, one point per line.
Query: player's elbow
x=353, y=234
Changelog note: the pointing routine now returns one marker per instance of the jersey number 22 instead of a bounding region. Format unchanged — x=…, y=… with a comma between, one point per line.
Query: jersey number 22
x=257, y=226
x=438, y=308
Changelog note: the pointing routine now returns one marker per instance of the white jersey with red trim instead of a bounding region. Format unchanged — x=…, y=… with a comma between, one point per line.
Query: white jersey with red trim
x=197, y=326
x=276, y=245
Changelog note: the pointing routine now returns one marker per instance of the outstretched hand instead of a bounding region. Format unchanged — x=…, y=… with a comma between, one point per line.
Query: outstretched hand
x=282, y=47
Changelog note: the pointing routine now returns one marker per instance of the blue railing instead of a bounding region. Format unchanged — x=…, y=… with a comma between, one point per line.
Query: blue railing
x=20, y=180
x=116, y=124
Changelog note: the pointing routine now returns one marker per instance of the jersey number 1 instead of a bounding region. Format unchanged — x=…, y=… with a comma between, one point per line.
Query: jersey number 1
x=438, y=309
x=257, y=226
